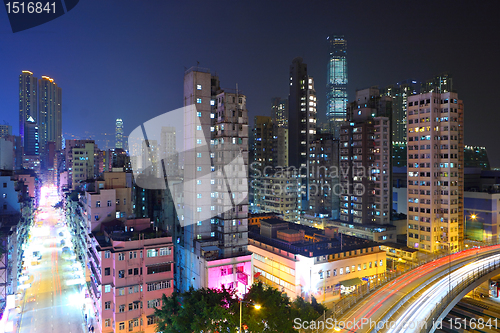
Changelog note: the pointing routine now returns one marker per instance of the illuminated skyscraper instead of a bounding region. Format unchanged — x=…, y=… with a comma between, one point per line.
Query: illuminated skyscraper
x=49, y=113
x=301, y=122
x=28, y=89
x=336, y=83
x=31, y=139
x=119, y=134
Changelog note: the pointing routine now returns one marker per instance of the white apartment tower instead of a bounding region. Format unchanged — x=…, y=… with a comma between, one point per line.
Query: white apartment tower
x=212, y=247
x=435, y=172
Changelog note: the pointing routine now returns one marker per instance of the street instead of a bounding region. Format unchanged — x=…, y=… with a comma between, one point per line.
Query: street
x=53, y=299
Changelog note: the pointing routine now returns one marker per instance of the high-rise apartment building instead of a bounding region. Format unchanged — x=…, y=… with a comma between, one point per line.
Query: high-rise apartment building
x=28, y=100
x=49, y=114
x=399, y=155
x=280, y=146
x=278, y=192
x=79, y=157
x=168, y=150
x=365, y=152
x=435, y=172
x=230, y=142
x=301, y=122
x=31, y=137
x=279, y=115
x=279, y=112
x=212, y=244
x=399, y=94
x=263, y=139
x=324, y=196
x=441, y=83
x=119, y=133
x=336, y=82
x=5, y=130
x=476, y=157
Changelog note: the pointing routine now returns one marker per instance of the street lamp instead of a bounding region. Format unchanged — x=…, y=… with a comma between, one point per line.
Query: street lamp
x=256, y=306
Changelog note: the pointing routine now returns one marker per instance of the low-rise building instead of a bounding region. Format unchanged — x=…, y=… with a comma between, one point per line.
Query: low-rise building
x=304, y=261
x=399, y=254
x=16, y=216
x=375, y=232
x=131, y=266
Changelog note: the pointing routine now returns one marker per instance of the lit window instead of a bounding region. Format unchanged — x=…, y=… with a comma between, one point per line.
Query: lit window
x=198, y=195
x=198, y=168
x=198, y=128
x=198, y=141
x=198, y=100
x=212, y=234
x=198, y=155
x=212, y=102
x=198, y=209
x=198, y=86
x=107, y=288
x=198, y=114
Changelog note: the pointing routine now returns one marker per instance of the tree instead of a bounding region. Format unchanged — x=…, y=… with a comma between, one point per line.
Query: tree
x=274, y=314
x=198, y=310
x=218, y=310
x=307, y=311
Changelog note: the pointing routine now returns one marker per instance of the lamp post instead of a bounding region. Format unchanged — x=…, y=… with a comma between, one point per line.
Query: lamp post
x=256, y=306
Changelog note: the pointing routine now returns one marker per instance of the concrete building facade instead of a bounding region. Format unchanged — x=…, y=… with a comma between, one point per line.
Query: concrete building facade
x=435, y=172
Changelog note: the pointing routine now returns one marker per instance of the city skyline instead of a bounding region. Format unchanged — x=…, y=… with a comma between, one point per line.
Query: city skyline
x=142, y=54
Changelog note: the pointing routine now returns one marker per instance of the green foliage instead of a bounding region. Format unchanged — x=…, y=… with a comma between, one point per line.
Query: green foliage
x=198, y=310
x=211, y=310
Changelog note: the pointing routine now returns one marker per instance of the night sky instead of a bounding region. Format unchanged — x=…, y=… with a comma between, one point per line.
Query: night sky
x=121, y=58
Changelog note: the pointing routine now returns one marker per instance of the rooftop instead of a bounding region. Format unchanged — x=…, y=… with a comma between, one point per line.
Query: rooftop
x=323, y=247
x=273, y=220
x=399, y=246
x=367, y=227
x=117, y=230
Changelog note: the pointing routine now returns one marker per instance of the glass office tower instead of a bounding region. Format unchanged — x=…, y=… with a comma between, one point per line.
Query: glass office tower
x=336, y=84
